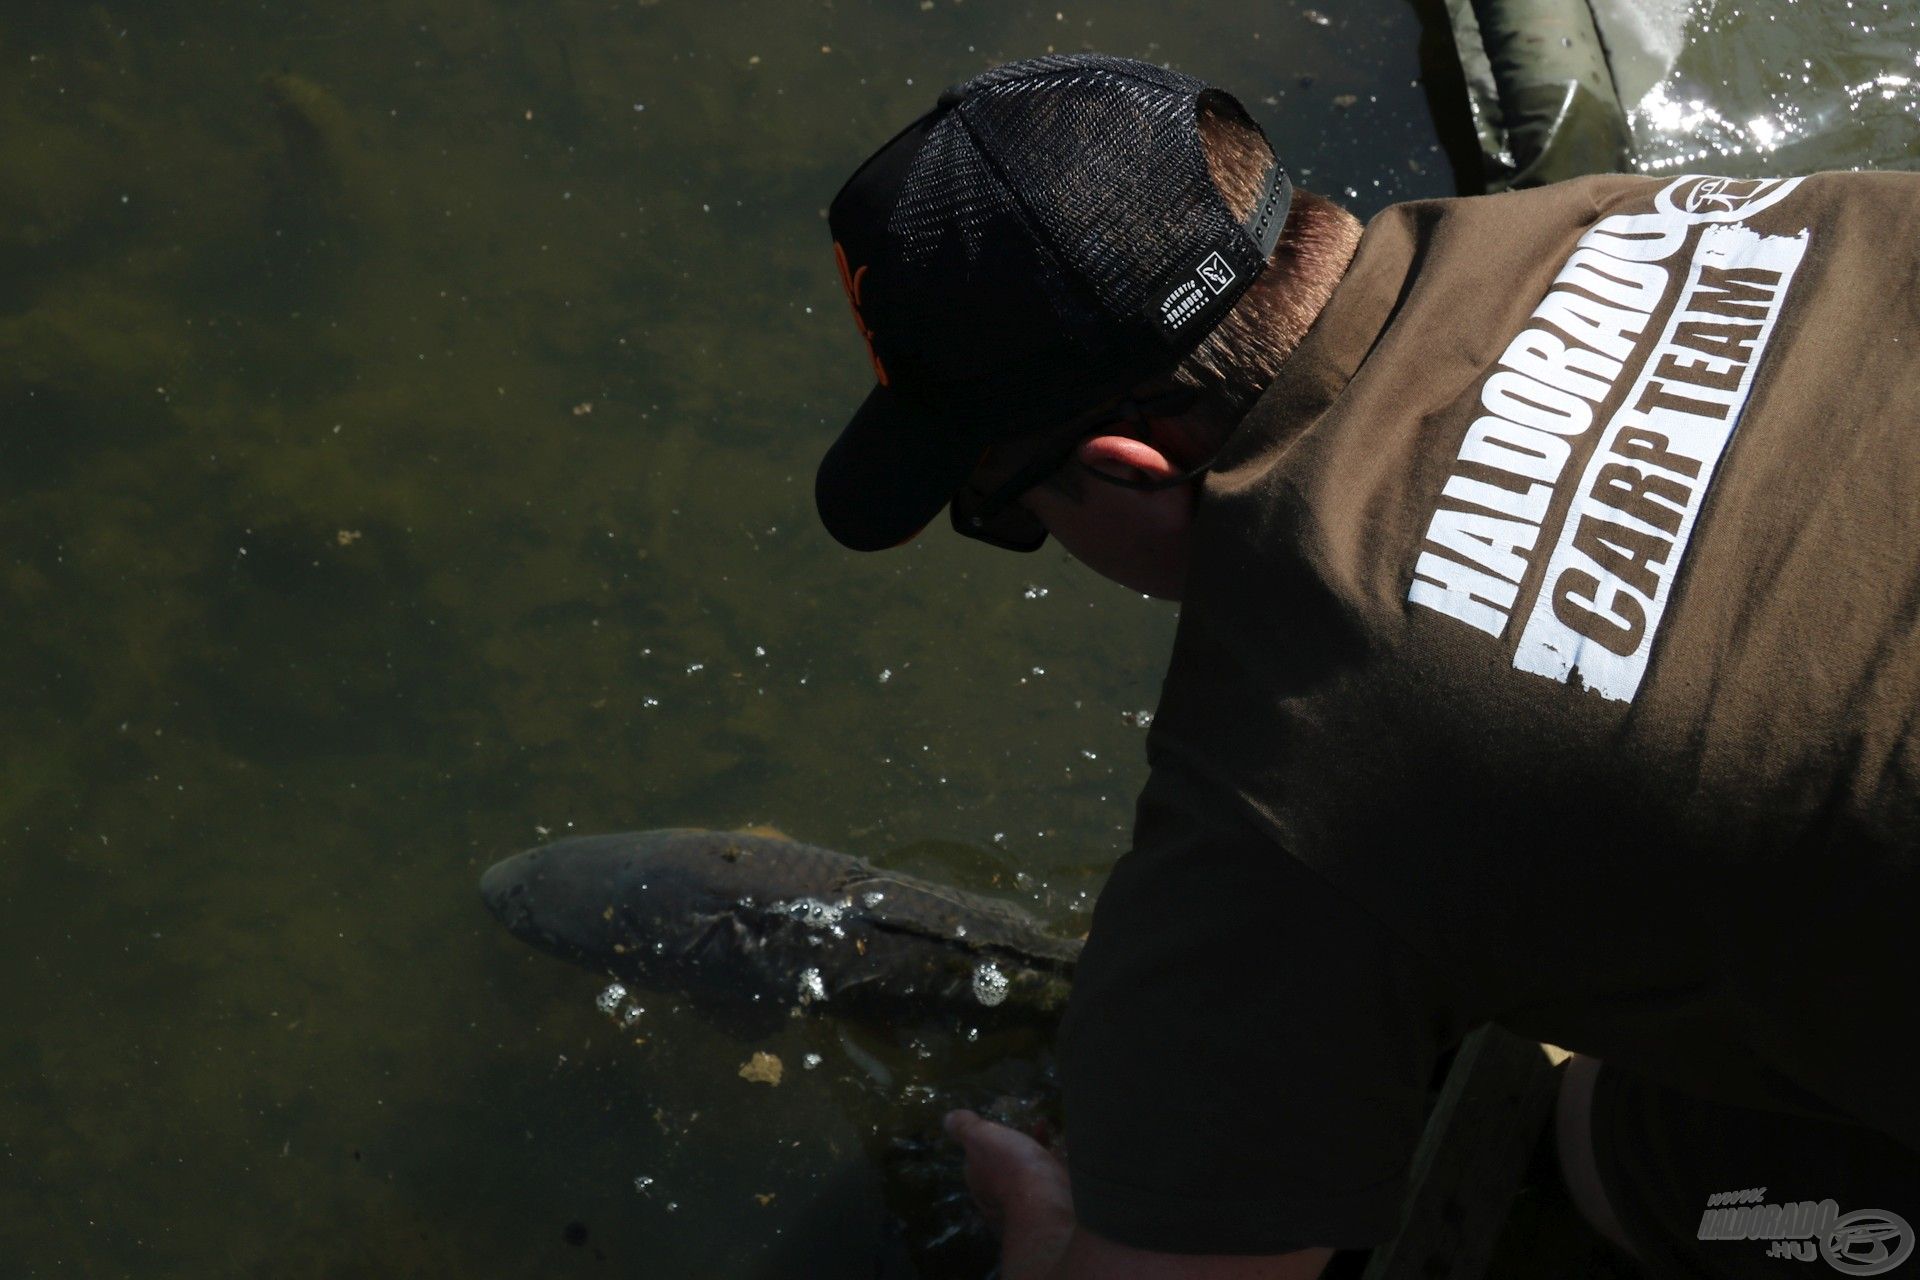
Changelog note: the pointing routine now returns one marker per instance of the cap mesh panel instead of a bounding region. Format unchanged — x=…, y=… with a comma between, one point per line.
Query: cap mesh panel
x=1036, y=226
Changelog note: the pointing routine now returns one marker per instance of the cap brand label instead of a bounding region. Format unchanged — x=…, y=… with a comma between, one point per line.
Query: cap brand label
x=1216, y=273
x=1183, y=304
x=1197, y=292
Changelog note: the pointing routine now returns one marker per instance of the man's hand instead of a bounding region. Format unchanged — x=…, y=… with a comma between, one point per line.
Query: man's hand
x=1023, y=1193
x=1021, y=1188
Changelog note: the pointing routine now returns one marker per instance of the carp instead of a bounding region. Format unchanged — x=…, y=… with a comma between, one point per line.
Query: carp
x=743, y=923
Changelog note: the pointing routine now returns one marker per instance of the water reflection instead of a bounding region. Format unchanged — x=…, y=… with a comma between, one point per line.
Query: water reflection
x=1758, y=90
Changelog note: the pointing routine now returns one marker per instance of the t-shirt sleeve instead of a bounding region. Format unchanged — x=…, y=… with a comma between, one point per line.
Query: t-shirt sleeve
x=1246, y=1054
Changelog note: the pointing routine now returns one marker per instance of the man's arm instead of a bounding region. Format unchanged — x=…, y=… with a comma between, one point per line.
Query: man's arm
x=1245, y=1058
x=1023, y=1190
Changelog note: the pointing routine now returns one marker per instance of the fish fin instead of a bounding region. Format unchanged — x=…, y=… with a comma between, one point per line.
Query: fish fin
x=764, y=829
x=863, y=1058
x=720, y=934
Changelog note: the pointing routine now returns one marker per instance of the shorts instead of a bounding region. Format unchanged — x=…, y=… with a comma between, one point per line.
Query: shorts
x=1704, y=1189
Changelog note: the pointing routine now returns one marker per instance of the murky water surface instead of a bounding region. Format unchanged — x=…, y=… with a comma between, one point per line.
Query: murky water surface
x=410, y=416
x=410, y=410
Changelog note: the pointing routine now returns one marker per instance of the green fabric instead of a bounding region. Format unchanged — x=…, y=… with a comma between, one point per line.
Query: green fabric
x=1542, y=96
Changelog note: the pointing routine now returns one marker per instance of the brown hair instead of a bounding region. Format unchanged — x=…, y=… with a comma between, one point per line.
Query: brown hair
x=1244, y=351
x=1235, y=361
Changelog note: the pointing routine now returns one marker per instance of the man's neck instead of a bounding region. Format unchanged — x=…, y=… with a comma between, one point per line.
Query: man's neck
x=1315, y=254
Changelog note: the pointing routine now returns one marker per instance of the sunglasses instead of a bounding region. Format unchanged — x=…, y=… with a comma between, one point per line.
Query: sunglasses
x=999, y=520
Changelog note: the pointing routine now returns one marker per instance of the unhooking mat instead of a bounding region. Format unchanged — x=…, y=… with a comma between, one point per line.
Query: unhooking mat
x=1743, y=88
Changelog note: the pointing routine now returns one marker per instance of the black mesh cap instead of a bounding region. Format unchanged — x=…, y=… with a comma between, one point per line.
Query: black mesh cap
x=1048, y=236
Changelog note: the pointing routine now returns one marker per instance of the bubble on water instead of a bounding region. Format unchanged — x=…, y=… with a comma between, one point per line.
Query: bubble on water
x=1136, y=719
x=989, y=984
x=886, y=674
x=816, y=914
x=615, y=1004
x=812, y=987
x=1035, y=593
x=810, y=1061
x=873, y=897
x=641, y=1183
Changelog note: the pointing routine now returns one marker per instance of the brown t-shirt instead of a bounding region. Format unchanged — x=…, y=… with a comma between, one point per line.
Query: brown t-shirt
x=1551, y=654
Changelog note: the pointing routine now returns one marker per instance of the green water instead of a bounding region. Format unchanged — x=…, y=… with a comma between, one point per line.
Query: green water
x=410, y=416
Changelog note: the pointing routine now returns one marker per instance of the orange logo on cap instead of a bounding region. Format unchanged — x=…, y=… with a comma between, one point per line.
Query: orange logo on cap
x=850, y=281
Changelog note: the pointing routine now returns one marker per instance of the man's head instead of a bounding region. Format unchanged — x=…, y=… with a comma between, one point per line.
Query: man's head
x=1068, y=279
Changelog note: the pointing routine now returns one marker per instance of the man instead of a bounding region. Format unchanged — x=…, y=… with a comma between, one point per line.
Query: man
x=1548, y=655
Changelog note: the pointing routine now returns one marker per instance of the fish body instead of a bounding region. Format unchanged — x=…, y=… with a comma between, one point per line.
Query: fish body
x=743, y=922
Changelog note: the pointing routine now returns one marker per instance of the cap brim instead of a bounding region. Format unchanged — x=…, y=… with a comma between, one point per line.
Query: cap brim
x=891, y=471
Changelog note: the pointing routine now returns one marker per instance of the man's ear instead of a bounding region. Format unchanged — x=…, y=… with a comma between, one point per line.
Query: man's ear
x=1125, y=458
